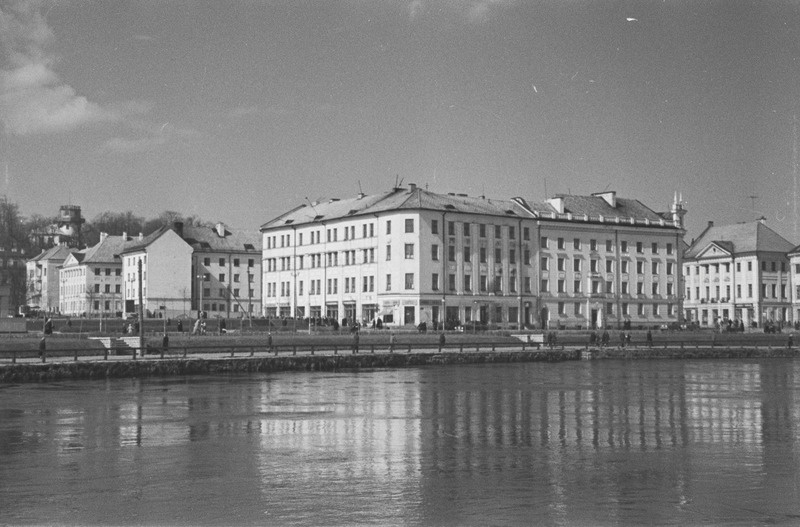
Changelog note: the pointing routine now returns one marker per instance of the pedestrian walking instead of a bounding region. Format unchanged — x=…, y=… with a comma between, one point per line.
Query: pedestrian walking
x=269, y=341
x=649, y=339
x=222, y=326
x=790, y=341
x=441, y=341
x=355, y=341
x=165, y=343
x=42, y=348
x=180, y=326
x=621, y=339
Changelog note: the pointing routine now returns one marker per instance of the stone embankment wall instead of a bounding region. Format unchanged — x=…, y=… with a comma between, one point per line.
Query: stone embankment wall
x=706, y=352
x=32, y=372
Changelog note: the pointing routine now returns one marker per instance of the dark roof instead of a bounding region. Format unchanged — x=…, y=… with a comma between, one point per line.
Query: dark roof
x=597, y=206
x=107, y=249
x=202, y=238
x=59, y=252
x=740, y=238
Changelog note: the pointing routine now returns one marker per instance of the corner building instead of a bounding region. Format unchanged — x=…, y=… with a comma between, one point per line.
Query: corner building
x=409, y=255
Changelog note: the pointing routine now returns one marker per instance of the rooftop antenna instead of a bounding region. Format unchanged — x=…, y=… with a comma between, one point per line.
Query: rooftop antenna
x=312, y=206
x=794, y=170
x=360, y=192
x=753, y=204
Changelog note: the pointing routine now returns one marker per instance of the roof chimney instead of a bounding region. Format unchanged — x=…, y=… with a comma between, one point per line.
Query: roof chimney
x=412, y=187
x=710, y=224
x=177, y=226
x=557, y=203
x=762, y=220
x=124, y=236
x=220, y=228
x=103, y=236
x=141, y=236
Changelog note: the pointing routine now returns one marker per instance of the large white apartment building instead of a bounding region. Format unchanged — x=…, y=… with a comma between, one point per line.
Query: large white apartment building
x=43, y=280
x=409, y=255
x=738, y=273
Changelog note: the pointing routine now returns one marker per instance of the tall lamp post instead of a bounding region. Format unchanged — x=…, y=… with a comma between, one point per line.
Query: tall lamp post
x=141, y=311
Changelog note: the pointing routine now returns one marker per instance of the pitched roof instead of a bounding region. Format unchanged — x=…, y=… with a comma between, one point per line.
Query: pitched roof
x=740, y=238
x=59, y=252
x=107, y=249
x=205, y=238
x=597, y=206
x=404, y=199
x=416, y=198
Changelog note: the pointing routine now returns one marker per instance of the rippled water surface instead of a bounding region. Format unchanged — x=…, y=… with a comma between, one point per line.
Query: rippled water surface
x=582, y=443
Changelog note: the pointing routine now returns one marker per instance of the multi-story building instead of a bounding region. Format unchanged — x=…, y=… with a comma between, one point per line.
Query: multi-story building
x=185, y=268
x=738, y=273
x=43, y=282
x=91, y=279
x=409, y=255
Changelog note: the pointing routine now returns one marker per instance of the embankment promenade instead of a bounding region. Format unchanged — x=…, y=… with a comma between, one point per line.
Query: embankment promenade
x=103, y=367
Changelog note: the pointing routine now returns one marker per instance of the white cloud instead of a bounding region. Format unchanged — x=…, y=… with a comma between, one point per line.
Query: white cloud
x=474, y=11
x=33, y=99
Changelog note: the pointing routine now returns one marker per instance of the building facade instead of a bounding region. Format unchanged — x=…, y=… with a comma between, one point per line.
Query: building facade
x=738, y=273
x=215, y=270
x=409, y=255
x=90, y=280
x=43, y=280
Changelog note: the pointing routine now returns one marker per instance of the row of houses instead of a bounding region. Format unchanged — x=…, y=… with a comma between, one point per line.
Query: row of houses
x=409, y=255
x=180, y=269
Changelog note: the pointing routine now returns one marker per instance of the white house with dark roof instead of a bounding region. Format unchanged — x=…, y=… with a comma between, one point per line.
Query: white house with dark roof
x=738, y=273
x=43, y=282
x=90, y=280
x=195, y=268
x=410, y=255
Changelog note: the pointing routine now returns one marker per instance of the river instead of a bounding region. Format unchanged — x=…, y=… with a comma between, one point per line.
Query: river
x=573, y=443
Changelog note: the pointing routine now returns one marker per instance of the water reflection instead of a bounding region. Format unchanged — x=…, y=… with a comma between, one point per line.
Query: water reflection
x=576, y=443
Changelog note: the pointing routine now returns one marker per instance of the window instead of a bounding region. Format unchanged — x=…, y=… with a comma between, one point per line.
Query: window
x=512, y=233
x=594, y=266
x=576, y=265
x=655, y=288
x=545, y=263
x=640, y=310
x=609, y=286
x=409, y=225
x=609, y=266
x=498, y=232
x=544, y=287
x=206, y=261
x=409, y=280
x=654, y=247
x=561, y=264
x=669, y=248
x=669, y=268
x=624, y=288
x=467, y=282
x=639, y=288
x=451, y=228
x=451, y=282
x=389, y=227
x=498, y=255
x=482, y=255
x=388, y=282
x=560, y=243
x=483, y=283
x=435, y=252
x=561, y=310
x=609, y=246
x=526, y=233
x=576, y=244
x=625, y=309
x=654, y=267
x=434, y=226
x=388, y=252
x=409, y=251
x=222, y=277
x=639, y=267
x=97, y=271
x=576, y=286
x=466, y=229
x=467, y=253
x=576, y=309
x=560, y=286
x=623, y=246
x=96, y=288
x=639, y=247
x=451, y=253
x=108, y=288
x=435, y=281
x=543, y=242
x=222, y=262
x=526, y=257
x=593, y=245
x=670, y=286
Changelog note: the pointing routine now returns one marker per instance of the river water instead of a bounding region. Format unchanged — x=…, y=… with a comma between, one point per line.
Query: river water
x=576, y=443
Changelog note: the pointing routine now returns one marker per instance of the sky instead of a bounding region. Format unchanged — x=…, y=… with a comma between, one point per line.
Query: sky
x=237, y=111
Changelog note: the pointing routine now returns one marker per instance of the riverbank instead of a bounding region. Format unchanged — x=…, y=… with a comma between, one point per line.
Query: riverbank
x=175, y=365
x=178, y=366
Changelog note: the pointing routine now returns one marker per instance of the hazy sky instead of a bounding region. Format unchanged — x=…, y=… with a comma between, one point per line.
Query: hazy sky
x=238, y=110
